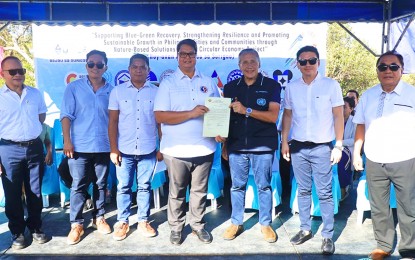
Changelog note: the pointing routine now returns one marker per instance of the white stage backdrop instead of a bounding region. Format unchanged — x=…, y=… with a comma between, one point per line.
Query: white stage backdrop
x=407, y=45
x=60, y=51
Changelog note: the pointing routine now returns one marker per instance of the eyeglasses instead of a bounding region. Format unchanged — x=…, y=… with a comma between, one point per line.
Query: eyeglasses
x=187, y=54
x=311, y=61
x=13, y=72
x=92, y=64
x=393, y=67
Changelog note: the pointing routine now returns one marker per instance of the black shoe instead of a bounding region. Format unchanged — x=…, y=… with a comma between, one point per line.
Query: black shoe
x=301, y=237
x=39, y=236
x=327, y=247
x=203, y=235
x=18, y=241
x=176, y=237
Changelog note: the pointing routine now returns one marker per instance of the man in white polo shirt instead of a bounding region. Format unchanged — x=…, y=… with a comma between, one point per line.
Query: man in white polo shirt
x=385, y=118
x=133, y=135
x=22, y=112
x=313, y=108
x=179, y=107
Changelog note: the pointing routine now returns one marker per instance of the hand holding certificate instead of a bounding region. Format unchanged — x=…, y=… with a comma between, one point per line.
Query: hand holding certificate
x=216, y=121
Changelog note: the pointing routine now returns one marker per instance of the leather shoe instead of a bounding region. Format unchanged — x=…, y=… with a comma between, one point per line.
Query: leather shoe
x=301, y=237
x=327, y=247
x=176, y=237
x=378, y=254
x=203, y=235
x=18, y=241
x=39, y=236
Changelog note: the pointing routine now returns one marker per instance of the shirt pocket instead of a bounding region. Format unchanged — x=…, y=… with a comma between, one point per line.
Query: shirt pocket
x=322, y=103
x=403, y=107
x=32, y=109
x=148, y=113
x=126, y=107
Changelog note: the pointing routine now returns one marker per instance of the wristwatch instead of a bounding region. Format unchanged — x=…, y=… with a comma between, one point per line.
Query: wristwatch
x=248, y=112
x=341, y=148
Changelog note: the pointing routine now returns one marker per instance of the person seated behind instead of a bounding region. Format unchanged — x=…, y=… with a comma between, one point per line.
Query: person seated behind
x=344, y=166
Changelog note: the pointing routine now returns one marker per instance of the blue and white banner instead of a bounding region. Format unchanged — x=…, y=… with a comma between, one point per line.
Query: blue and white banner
x=60, y=51
x=407, y=45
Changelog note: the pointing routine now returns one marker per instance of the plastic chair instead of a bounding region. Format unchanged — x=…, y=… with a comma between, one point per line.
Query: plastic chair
x=50, y=182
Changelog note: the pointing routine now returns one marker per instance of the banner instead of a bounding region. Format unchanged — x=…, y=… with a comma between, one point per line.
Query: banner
x=60, y=51
x=407, y=45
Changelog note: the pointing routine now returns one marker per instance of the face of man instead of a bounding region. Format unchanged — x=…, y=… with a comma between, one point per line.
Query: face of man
x=346, y=110
x=249, y=65
x=9, y=68
x=138, y=71
x=186, y=58
x=97, y=70
x=308, y=70
x=389, y=79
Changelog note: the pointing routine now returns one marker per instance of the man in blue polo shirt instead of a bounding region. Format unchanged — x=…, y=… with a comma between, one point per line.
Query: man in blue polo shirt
x=253, y=139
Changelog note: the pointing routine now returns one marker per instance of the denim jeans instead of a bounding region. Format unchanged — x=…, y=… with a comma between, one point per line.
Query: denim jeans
x=262, y=167
x=86, y=168
x=312, y=163
x=144, y=166
x=22, y=164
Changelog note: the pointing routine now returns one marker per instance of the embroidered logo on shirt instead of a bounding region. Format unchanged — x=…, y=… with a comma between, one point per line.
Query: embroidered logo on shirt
x=203, y=89
x=261, y=102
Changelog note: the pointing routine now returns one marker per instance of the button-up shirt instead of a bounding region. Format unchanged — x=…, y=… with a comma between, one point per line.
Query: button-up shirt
x=178, y=92
x=137, y=127
x=312, y=108
x=389, y=138
x=88, y=113
x=19, y=115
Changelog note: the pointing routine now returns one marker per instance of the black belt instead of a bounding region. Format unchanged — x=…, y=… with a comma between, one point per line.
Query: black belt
x=310, y=143
x=22, y=143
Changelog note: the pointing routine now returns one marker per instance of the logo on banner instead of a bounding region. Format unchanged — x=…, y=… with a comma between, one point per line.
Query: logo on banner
x=122, y=77
x=71, y=76
x=235, y=74
x=283, y=77
x=151, y=76
x=218, y=81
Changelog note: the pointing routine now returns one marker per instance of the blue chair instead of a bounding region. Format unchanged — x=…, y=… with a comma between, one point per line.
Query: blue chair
x=50, y=182
x=315, y=204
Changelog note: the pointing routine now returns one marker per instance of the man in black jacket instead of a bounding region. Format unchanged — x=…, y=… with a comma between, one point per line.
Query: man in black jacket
x=252, y=141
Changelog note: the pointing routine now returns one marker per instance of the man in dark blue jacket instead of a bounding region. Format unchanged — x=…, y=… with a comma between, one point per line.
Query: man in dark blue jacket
x=252, y=141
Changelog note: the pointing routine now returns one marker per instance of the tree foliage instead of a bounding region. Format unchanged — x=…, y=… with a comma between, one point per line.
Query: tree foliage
x=348, y=61
x=16, y=40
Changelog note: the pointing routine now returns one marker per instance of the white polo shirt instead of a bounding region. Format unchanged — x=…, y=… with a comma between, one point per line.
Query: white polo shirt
x=311, y=105
x=178, y=92
x=137, y=127
x=391, y=137
x=19, y=116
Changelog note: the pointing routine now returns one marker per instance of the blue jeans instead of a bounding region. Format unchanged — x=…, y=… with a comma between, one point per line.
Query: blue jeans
x=86, y=168
x=144, y=166
x=262, y=167
x=312, y=163
x=22, y=164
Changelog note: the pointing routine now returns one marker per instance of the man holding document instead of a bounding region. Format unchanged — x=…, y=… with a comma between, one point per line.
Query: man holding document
x=180, y=107
x=252, y=141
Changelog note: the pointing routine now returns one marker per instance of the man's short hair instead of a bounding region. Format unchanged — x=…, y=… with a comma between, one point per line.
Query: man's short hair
x=393, y=53
x=189, y=42
x=97, y=52
x=249, y=50
x=141, y=57
x=9, y=58
x=353, y=91
x=308, y=48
